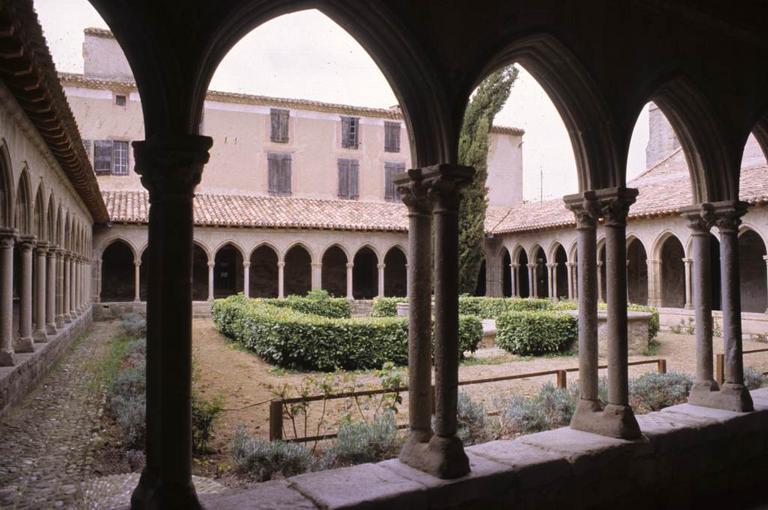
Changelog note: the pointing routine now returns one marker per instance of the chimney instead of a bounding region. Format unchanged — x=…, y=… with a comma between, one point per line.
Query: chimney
x=103, y=58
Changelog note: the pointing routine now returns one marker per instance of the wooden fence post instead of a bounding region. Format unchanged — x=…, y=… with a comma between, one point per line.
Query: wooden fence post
x=562, y=379
x=276, y=420
x=662, y=366
x=720, y=368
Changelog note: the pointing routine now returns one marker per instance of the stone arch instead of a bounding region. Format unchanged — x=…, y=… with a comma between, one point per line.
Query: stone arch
x=51, y=213
x=523, y=283
x=23, y=206
x=38, y=214
x=6, y=186
x=365, y=273
x=395, y=272
x=752, y=274
x=228, y=276
x=506, y=274
x=560, y=259
x=298, y=270
x=540, y=271
x=699, y=131
x=760, y=132
x=263, y=278
x=60, y=226
x=117, y=271
x=637, y=271
x=334, y=270
x=200, y=258
x=481, y=288
x=670, y=254
x=599, y=155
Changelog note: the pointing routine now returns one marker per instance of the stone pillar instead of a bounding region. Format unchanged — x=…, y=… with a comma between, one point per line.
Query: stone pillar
x=50, y=288
x=381, y=267
x=350, y=288
x=7, y=240
x=615, y=203
x=654, y=282
x=569, y=269
x=443, y=456
x=211, y=266
x=24, y=342
x=65, y=288
x=137, y=281
x=513, y=280
x=170, y=166
x=72, y=286
x=41, y=251
x=60, y=288
x=97, y=281
x=247, y=279
x=317, y=275
x=281, y=279
x=552, y=267
x=688, y=284
x=600, y=296
x=734, y=395
x=533, y=287
x=77, y=305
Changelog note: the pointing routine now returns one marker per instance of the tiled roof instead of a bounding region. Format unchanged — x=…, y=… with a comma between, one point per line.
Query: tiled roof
x=29, y=73
x=663, y=190
x=211, y=210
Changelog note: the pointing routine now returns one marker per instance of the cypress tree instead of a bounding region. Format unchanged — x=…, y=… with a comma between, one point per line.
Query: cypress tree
x=488, y=100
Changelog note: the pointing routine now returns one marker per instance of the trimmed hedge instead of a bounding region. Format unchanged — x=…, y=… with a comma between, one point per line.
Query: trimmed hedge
x=289, y=338
x=535, y=332
x=653, y=323
x=386, y=306
x=315, y=303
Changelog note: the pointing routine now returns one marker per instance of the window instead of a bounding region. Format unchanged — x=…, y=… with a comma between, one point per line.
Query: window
x=110, y=157
x=278, y=125
x=120, y=100
x=279, y=169
x=390, y=171
x=350, y=127
x=348, y=178
x=391, y=137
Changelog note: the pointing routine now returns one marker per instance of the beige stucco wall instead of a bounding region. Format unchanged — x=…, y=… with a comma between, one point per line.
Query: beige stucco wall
x=505, y=170
x=23, y=150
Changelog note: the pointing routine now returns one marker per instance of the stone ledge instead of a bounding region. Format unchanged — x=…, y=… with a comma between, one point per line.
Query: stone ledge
x=20, y=379
x=689, y=456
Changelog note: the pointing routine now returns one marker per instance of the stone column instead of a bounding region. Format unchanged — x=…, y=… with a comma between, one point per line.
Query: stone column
x=24, y=342
x=77, y=305
x=170, y=166
x=615, y=203
x=97, y=281
x=700, y=220
x=734, y=395
x=552, y=267
x=281, y=279
x=137, y=281
x=688, y=284
x=211, y=266
x=569, y=269
x=247, y=279
x=350, y=288
x=60, y=288
x=513, y=280
x=533, y=287
x=443, y=456
x=317, y=275
x=72, y=286
x=50, y=288
x=65, y=287
x=41, y=251
x=381, y=267
x=600, y=296
x=7, y=240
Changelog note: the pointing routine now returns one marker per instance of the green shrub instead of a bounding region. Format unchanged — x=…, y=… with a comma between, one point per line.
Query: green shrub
x=471, y=417
x=262, y=460
x=653, y=391
x=361, y=441
x=386, y=306
x=535, y=332
x=493, y=308
x=129, y=413
x=552, y=407
x=205, y=413
x=528, y=304
x=754, y=379
x=134, y=325
x=292, y=339
x=317, y=302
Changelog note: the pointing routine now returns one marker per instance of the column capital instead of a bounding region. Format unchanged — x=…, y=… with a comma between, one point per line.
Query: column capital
x=514, y=265
x=137, y=263
x=316, y=264
x=210, y=264
x=531, y=265
x=615, y=203
x=728, y=215
x=413, y=192
x=552, y=265
x=584, y=207
x=350, y=265
x=26, y=242
x=687, y=260
x=246, y=264
x=281, y=263
x=381, y=265
x=171, y=163
x=700, y=217
x=434, y=188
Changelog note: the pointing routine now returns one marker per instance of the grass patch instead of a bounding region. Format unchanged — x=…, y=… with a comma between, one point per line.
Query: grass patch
x=107, y=368
x=496, y=360
x=652, y=349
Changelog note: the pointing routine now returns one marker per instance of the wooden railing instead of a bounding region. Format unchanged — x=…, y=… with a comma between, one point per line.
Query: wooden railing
x=720, y=364
x=276, y=405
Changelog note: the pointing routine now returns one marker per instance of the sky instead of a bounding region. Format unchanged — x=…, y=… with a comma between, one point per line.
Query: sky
x=339, y=70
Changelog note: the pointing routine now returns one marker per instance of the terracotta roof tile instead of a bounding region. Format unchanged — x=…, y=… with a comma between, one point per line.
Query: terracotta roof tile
x=269, y=212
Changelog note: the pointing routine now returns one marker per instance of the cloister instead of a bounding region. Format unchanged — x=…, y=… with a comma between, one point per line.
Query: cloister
x=701, y=63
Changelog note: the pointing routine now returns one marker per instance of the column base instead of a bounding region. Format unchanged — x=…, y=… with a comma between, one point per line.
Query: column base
x=7, y=359
x=67, y=318
x=442, y=457
x=152, y=494
x=612, y=420
x=40, y=336
x=730, y=397
x=24, y=344
x=59, y=321
x=50, y=329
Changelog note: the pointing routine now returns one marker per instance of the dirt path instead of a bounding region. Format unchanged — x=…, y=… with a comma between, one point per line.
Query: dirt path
x=243, y=379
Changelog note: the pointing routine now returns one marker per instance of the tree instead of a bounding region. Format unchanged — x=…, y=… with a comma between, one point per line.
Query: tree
x=488, y=100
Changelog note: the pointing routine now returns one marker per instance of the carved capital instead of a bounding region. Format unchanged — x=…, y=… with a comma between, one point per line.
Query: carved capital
x=171, y=164
x=26, y=242
x=700, y=218
x=41, y=248
x=413, y=192
x=728, y=215
x=445, y=183
x=614, y=205
x=7, y=237
x=585, y=208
